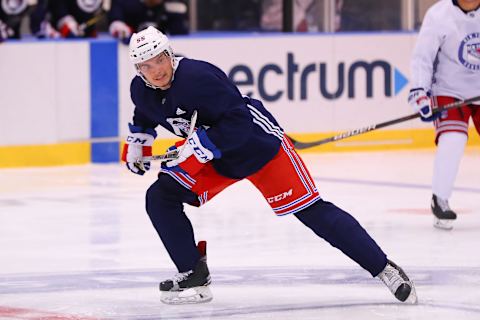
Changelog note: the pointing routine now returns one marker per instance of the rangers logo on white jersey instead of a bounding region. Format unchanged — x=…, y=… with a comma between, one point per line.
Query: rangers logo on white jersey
x=469, y=51
x=13, y=7
x=89, y=5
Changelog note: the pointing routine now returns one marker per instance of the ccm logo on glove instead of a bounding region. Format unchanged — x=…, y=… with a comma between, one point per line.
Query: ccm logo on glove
x=136, y=140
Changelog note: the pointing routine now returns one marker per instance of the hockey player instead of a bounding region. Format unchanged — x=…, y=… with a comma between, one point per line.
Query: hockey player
x=446, y=68
x=76, y=18
x=40, y=23
x=11, y=15
x=236, y=138
x=128, y=16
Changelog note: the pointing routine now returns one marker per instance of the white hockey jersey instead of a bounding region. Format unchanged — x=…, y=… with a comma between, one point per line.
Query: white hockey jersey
x=446, y=59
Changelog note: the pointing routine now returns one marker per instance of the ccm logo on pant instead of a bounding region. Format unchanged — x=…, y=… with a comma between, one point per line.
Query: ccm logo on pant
x=280, y=196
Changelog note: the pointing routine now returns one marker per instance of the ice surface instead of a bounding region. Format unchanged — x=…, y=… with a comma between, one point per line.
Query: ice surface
x=76, y=243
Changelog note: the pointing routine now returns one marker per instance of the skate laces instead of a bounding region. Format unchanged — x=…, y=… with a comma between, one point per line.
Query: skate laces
x=391, y=277
x=443, y=204
x=181, y=276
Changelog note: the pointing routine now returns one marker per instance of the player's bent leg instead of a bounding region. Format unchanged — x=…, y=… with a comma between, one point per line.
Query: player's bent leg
x=164, y=204
x=344, y=232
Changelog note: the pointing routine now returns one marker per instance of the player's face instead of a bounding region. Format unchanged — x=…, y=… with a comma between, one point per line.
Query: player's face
x=469, y=5
x=158, y=70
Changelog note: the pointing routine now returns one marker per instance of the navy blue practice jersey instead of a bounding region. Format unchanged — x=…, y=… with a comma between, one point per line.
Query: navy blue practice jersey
x=245, y=132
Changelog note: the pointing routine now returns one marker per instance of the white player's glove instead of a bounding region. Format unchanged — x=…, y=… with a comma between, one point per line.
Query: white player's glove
x=420, y=101
x=120, y=30
x=138, y=145
x=68, y=27
x=198, y=145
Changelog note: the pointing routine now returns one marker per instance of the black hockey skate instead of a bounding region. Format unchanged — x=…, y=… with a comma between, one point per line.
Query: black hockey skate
x=444, y=216
x=398, y=282
x=190, y=286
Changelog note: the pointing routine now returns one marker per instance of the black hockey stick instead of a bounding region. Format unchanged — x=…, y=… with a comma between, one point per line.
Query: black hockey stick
x=305, y=145
x=90, y=22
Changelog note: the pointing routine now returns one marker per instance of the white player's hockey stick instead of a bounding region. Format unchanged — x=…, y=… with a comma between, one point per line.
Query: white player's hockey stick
x=347, y=134
x=172, y=155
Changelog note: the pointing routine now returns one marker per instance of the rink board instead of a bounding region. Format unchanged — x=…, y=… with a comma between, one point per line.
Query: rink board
x=316, y=86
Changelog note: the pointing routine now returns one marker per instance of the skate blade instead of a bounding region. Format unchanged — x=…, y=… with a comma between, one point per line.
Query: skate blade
x=412, y=298
x=189, y=296
x=443, y=224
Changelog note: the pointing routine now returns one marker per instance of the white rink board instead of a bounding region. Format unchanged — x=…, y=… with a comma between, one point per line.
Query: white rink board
x=45, y=92
x=53, y=97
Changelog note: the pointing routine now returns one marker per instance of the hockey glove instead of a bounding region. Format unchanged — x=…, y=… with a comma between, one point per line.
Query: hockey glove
x=68, y=27
x=198, y=145
x=47, y=31
x=120, y=30
x=138, y=145
x=420, y=101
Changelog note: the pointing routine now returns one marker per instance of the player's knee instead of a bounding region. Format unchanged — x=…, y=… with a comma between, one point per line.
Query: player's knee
x=165, y=194
x=157, y=195
x=322, y=217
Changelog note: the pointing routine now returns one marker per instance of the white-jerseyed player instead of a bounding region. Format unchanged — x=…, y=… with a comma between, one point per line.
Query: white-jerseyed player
x=446, y=68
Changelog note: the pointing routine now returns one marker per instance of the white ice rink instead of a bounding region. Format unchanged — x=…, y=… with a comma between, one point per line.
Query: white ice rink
x=76, y=243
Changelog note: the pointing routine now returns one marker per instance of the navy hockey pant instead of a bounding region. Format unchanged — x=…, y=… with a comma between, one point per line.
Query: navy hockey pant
x=164, y=204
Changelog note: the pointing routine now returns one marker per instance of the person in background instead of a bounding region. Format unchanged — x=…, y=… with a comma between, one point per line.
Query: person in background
x=227, y=138
x=128, y=16
x=40, y=22
x=76, y=18
x=370, y=15
x=231, y=15
x=446, y=68
x=12, y=13
x=272, y=15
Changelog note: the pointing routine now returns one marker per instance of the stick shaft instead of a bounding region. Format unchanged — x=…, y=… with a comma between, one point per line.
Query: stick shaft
x=346, y=134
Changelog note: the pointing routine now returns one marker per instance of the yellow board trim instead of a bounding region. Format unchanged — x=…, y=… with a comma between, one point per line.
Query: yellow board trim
x=45, y=155
x=80, y=152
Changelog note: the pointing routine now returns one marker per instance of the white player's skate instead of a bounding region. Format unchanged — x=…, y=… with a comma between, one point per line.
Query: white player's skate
x=398, y=283
x=191, y=286
x=443, y=215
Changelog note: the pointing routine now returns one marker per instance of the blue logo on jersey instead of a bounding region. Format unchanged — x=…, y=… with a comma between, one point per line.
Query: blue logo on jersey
x=469, y=51
x=346, y=77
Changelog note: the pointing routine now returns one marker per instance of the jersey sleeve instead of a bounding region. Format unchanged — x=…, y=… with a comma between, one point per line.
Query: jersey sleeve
x=425, y=52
